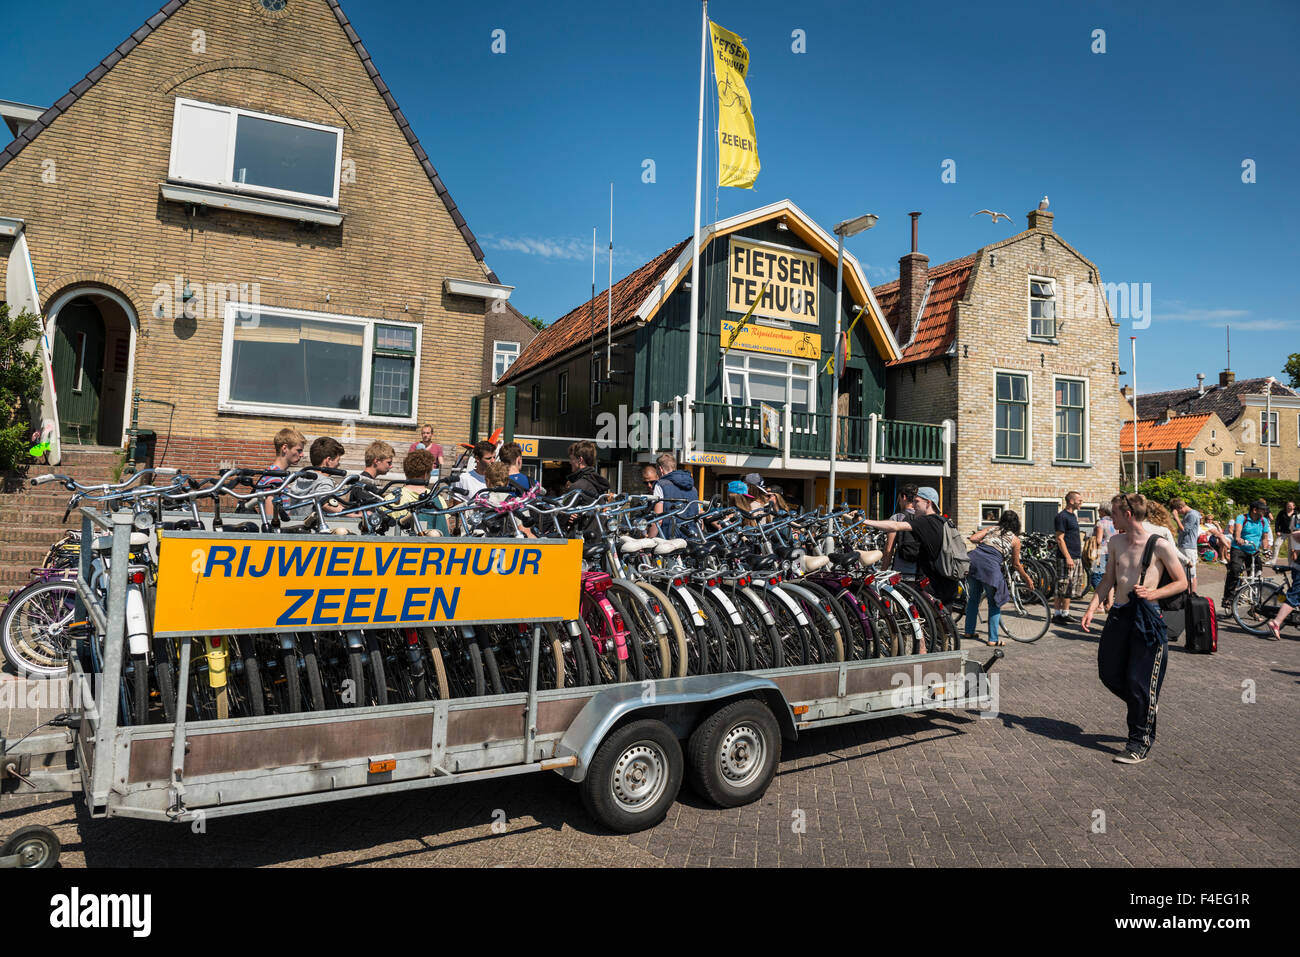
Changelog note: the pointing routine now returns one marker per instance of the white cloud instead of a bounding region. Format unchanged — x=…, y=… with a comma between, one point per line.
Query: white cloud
x=1176, y=309
x=572, y=248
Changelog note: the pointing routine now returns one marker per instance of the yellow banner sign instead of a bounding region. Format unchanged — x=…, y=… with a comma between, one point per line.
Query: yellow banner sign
x=529, y=447
x=794, y=343
x=230, y=585
x=737, y=142
x=775, y=281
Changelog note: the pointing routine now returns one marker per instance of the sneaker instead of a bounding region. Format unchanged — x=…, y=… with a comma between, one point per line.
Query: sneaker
x=1129, y=757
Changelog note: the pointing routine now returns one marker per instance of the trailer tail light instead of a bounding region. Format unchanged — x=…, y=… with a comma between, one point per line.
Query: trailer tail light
x=800, y=709
x=137, y=578
x=381, y=765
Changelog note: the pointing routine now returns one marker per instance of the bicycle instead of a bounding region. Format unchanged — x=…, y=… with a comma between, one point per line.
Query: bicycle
x=1257, y=603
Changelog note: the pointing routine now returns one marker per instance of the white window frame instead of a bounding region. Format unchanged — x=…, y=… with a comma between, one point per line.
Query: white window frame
x=1029, y=309
x=1227, y=470
x=1087, y=432
x=1002, y=506
x=498, y=352
x=1029, y=415
x=747, y=398
x=228, y=183
x=1274, y=439
x=1095, y=507
x=1199, y=470
x=226, y=404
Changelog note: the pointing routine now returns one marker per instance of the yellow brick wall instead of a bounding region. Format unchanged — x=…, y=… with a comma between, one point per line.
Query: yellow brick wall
x=104, y=218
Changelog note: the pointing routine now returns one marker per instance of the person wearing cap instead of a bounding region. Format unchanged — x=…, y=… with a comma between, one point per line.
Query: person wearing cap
x=927, y=524
x=1251, y=535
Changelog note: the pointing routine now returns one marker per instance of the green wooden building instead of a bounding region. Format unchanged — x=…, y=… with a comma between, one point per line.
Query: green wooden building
x=614, y=370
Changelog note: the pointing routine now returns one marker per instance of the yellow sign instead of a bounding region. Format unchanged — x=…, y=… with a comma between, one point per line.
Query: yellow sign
x=775, y=281
x=230, y=585
x=529, y=447
x=794, y=343
x=737, y=142
x=707, y=458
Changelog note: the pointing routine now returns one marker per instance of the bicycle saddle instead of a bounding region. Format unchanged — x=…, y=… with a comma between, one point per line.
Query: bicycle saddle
x=812, y=563
x=242, y=527
x=671, y=546
x=628, y=545
x=869, y=557
x=844, y=558
x=183, y=525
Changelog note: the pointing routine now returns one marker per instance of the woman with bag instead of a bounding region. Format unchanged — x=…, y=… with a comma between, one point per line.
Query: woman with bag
x=995, y=545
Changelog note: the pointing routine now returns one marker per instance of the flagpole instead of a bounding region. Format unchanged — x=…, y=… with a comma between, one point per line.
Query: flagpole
x=1133, y=341
x=692, y=354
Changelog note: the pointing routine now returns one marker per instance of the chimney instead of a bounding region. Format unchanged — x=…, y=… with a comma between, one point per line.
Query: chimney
x=1200, y=383
x=1040, y=219
x=1168, y=414
x=913, y=274
x=1127, y=393
x=1226, y=378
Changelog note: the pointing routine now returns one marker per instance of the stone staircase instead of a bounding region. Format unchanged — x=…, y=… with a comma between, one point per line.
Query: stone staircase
x=31, y=517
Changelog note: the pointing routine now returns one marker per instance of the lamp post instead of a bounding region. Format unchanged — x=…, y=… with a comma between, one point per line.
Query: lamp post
x=850, y=227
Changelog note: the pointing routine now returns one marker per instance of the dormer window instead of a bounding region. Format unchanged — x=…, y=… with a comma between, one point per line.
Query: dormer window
x=246, y=152
x=1042, y=308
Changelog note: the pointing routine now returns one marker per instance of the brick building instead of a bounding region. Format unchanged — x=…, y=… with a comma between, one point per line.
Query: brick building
x=1198, y=445
x=1016, y=345
x=1258, y=419
x=506, y=333
x=231, y=216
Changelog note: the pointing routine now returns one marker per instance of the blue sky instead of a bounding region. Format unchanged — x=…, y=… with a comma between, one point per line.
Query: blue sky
x=1140, y=148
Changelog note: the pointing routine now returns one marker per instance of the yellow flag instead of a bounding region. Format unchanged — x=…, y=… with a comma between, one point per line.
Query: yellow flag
x=737, y=143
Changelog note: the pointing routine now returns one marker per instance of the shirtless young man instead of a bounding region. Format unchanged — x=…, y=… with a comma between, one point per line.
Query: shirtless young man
x=1134, y=646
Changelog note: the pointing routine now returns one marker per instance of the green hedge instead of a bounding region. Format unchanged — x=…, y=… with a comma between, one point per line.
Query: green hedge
x=1220, y=498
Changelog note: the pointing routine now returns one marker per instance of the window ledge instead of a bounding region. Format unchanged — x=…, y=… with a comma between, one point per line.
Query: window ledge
x=1071, y=465
x=217, y=199
x=231, y=408
x=997, y=461
x=1044, y=339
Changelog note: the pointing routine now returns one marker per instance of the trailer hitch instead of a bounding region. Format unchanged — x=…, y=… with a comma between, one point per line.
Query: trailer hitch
x=998, y=654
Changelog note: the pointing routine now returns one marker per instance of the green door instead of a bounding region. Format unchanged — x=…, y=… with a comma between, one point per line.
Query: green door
x=79, y=371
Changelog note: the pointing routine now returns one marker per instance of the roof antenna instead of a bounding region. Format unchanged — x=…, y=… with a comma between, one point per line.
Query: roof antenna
x=1228, y=332
x=609, y=300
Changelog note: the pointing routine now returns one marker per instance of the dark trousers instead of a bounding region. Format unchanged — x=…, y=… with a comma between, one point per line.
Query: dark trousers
x=1236, y=565
x=1133, y=671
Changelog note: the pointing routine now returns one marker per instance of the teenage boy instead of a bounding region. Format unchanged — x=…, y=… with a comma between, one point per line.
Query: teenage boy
x=326, y=453
x=676, y=486
x=898, y=541
x=472, y=481
x=512, y=455
x=1069, y=557
x=289, y=444
x=1134, y=646
x=1251, y=536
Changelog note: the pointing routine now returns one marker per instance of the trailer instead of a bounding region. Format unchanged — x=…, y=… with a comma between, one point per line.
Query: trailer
x=628, y=747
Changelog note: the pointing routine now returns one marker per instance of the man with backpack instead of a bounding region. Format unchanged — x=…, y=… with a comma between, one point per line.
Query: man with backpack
x=942, y=555
x=675, y=498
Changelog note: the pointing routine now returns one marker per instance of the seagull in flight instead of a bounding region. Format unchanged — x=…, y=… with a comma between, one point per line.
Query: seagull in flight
x=994, y=216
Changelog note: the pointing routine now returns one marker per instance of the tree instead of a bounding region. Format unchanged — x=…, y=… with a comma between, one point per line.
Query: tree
x=20, y=384
x=1292, y=369
x=539, y=323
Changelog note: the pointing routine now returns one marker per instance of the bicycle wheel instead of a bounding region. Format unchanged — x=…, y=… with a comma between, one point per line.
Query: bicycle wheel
x=697, y=645
x=636, y=638
x=1025, y=619
x=586, y=650
x=717, y=636
x=1255, y=604
x=765, y=647
x=832, y=606
x=796, y=643
x=254, y=700
x=937, y=638
x=37, y=626
x=676, y=631
x=138, y=696
x=165, y=672
x=610, y=667
x=826, y=641
x=356, y=696
x=886, y=642
x=311, y=670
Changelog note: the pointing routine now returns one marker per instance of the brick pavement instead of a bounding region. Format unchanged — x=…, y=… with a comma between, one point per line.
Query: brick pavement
x=1024, y=788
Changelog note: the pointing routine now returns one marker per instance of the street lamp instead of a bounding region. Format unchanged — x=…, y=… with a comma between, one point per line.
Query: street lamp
x=850, y=227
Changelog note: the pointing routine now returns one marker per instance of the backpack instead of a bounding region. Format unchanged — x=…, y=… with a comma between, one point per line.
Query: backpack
x=1090, y=550
x=954, y=560
x=1173, y=602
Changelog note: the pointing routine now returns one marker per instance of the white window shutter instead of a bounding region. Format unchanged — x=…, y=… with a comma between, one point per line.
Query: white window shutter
x=201, y=144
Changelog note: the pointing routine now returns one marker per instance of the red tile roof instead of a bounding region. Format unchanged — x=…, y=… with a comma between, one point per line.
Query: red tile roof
x=934, y=333
x=1154, y=437
x=581, y=324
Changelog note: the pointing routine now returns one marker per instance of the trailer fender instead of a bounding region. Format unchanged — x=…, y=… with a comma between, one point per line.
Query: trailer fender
x=613, y=706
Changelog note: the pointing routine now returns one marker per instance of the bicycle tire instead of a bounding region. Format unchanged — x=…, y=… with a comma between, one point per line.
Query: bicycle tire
x=795, y=641
x=697, y=645
x=311, y=669
x=440, y=673
x=1030, y=607
x=473, y=657
x=717, y=638
x=858, y=637
x=636, y=663
x=292, y=686
x=356, y=675
x=827, y=642
x=655, y=649
x=676, y=631
x=1255, y=604
x=936, y=638
x=28, y=661
x=165, y=672
x=828, y=598
x=139, y=697
x=375, y=660
x=252, y=679
x=588, y=649
x=765, y=646
x=886, y=641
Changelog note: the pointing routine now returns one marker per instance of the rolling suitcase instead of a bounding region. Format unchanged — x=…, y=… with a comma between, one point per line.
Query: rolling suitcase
x=1202, y=627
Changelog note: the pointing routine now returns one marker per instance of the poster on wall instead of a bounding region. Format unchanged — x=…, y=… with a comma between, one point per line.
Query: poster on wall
x=771, y=430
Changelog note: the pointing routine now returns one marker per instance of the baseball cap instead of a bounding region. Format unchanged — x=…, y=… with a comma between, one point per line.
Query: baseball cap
x=1259, y=503
x=737, y=488
x=753, y=478
x=929, y=494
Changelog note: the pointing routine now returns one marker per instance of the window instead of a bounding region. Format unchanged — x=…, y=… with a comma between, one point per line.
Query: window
x=1071, y=444
x=1152, y=469
x=234, y=149
x=597, y=365
x=536, y=409
x=751, y=379
x=564, y=393
x=1042, y=308
x=1200, y=468
x=1227, y=470
x=1087, y=518
x=504, y=355
x=1268, y=428
x=338, y=367
x=991, y=512
x=1012, y=416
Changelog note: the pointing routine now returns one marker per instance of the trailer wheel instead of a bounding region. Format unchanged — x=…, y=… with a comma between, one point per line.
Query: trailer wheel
x=35, y=846
x=634, y=777
x=733, y=754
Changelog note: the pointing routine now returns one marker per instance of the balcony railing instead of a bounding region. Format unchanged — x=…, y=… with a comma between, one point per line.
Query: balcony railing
x=722, y=427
